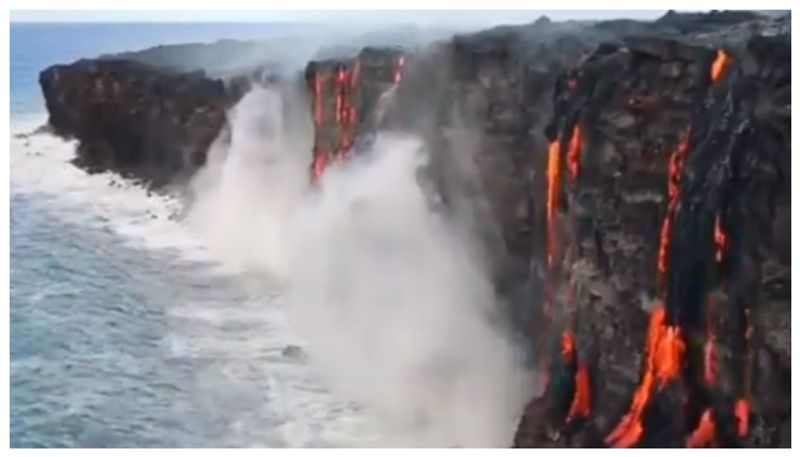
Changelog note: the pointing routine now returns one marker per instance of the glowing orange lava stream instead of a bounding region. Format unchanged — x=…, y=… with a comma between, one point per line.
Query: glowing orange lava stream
x=703, y=435
x=665, y=345
x=398, y=75
x=574, y=153
x=676, y=162
x=665, y=353
x=720, y=66
x=720, y=239
x=553, y=199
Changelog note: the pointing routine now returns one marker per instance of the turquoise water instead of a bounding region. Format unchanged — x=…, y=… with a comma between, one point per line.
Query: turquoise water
x=124, y=332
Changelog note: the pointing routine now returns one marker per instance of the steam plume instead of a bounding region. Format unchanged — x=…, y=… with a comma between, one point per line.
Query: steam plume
x=393, y=297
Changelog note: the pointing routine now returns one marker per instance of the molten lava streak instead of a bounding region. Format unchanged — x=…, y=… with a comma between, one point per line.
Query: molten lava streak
x=676, y=162
x=340, y=75
x=703, y=435
x=665, y=353
x=346, y=84
x=581, y=400
x=553, y=198
x=742, y=412
x=398, y=75
x=574, y=153
x=319, y=164
x=319, y=107
x=567, y=346
x=720, y=239
x=720, y=66
x=742, y=407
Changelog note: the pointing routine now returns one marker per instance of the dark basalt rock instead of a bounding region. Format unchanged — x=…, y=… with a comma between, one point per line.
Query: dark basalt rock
x=294, y=352
x=134, y=119
x=635, y=105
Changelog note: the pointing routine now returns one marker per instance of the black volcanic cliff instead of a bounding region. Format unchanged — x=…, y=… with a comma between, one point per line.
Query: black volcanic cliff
x=631, y=181
x=679, y=203
x=138, y=120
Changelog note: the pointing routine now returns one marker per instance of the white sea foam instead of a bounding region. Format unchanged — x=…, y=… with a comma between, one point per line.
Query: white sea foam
x=247, y=363
x=40, y=165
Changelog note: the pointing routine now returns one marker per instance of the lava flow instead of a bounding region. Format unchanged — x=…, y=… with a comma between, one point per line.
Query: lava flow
x=340, y=77
x=703, y=436
x=665, y=345
x=319, y=164
x=742, y=413
x=320, y=156
x=742, y=407
x=581, y=400
x=342, y=83
x=336, y=120
x=676, y=162
x=574, y=153
x=720, y=239
x=665, y=353
x=346, y=83
x=553, y=198
x=398, y=72
x=720, y=66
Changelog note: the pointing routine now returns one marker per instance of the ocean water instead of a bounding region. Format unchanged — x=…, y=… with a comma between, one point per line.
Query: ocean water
x=125, y=331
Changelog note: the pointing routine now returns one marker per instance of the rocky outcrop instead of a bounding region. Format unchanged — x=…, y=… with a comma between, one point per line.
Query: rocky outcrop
x=142, y=122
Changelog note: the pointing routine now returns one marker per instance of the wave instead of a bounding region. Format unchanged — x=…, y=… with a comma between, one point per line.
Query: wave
x=232, y=329
x=40, y=166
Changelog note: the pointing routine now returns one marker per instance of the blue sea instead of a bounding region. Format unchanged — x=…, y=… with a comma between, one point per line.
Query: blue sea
x=125, y=331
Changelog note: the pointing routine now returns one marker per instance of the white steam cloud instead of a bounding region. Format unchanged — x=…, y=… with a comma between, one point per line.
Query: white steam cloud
x=394, y=298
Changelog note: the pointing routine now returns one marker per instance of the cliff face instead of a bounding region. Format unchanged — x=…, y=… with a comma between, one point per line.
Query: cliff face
x=134, y=119
x=630, y=181
x=645, y=173
x=480, y=103
x=670, y=204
